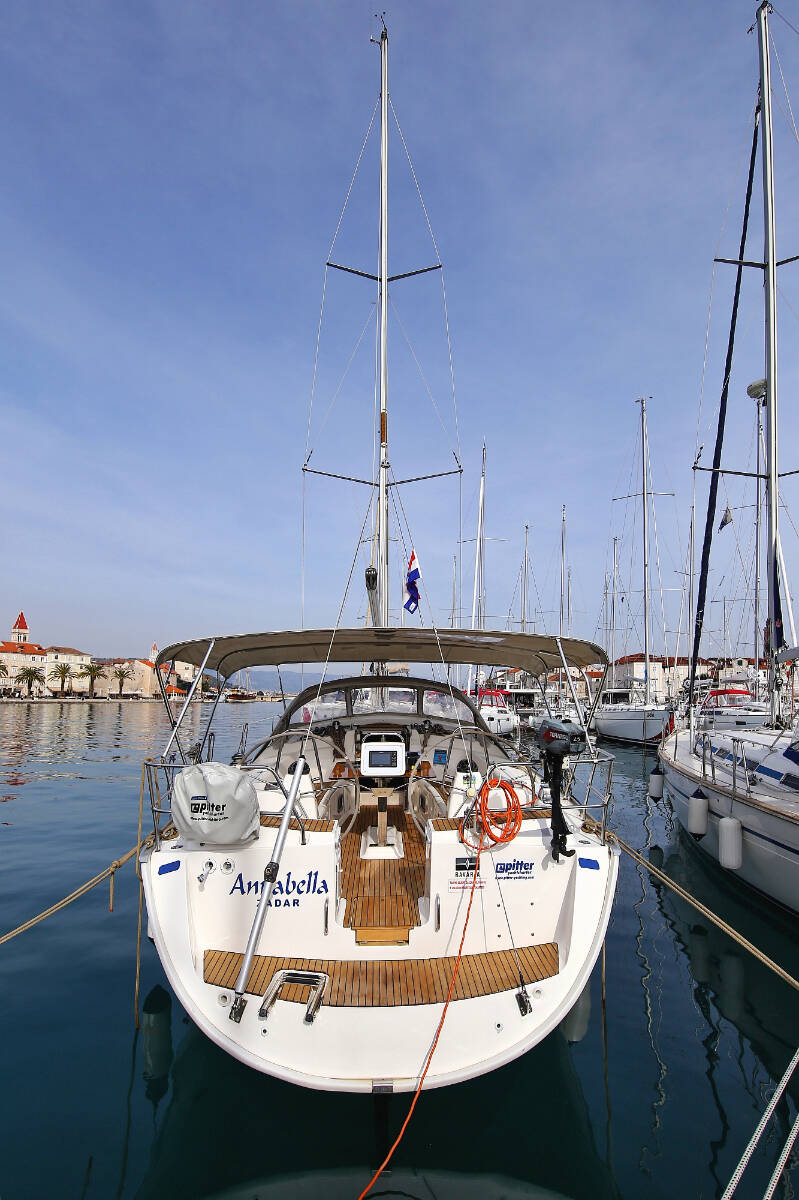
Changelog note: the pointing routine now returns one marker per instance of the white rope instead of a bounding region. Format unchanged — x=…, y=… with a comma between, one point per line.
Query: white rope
x=762, y=1123
x=781, y=1161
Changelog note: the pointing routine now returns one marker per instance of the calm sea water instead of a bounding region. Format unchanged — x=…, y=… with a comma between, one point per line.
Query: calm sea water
x=657, y=1098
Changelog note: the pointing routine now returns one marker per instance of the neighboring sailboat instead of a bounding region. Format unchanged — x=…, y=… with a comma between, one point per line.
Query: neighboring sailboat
x=632, y=714
x=491, y=704
x=737, y=792
x=312, y=912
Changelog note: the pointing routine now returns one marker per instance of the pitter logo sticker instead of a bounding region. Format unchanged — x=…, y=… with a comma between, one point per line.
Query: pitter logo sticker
x=204, y=809
x=515, y=868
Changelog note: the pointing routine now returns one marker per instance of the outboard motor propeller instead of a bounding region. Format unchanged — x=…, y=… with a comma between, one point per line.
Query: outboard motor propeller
x=556, y=739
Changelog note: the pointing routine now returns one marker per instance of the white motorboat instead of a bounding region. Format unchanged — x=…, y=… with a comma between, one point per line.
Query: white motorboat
x=737, y=792
x=381, y=895
x=732, y=708
x=623, y=715
x=497, y=714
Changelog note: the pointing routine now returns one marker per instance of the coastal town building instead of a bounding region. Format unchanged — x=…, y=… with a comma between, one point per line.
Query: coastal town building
x=19, y=652
x=62, y=670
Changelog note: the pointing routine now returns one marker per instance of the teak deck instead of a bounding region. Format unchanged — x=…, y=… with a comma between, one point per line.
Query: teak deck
x=382, y=894
x=386, y=983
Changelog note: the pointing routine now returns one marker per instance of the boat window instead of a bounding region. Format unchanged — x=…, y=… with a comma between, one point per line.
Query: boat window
x=791, y=781
x=326, y=708
x=384, y=699
x=441, y=704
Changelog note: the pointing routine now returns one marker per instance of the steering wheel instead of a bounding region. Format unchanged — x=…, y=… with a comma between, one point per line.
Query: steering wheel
x=419, y=813
x=302, y=736
x=515, y=760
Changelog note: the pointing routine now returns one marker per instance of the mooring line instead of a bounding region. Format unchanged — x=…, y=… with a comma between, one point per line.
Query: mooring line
x=703, y=909
x=109, y=873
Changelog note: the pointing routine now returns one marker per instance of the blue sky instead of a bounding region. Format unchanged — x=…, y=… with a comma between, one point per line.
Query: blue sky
x=172, y=178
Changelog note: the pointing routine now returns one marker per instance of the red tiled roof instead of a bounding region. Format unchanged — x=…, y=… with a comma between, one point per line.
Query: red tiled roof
x=69, y=650
x=21, y=648
x=146, y=662
x=21, y=623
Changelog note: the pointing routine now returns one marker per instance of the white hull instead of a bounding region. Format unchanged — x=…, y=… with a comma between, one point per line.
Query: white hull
x=769, y=821
x=505, y=724
x=632, y=723
x=354, y=1049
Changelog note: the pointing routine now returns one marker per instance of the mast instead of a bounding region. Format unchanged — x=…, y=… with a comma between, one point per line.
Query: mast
x=758, y=398
x=477, y=593
x=613, y=617
x=382, y=304
x=770, y=260
x=524, y=579
x=562, y=564
x=645, y=496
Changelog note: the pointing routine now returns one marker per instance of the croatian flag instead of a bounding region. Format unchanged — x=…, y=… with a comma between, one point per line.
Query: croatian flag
x=411, y=590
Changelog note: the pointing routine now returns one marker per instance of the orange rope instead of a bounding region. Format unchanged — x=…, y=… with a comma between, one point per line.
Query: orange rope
x=505, y=832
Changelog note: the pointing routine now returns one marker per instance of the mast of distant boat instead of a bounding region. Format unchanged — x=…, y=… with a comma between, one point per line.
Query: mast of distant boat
x=645, y=495
x=524, y=578
x=478, y=610
x=770, y=261
x=613, y=616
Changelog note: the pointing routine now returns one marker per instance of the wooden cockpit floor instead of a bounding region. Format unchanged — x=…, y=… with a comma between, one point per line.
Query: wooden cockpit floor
x=391, y=982
x=382, y=894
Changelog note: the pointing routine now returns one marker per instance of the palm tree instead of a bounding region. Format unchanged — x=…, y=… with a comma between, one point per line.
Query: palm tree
x=92, y=671
x=29, y=676
x=62, y=671
x=121, y=674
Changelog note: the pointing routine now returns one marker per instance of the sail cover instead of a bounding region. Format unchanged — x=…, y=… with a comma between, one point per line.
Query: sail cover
x=532, y=652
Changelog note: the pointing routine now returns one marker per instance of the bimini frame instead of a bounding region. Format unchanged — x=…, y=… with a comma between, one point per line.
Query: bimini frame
x=532, y=652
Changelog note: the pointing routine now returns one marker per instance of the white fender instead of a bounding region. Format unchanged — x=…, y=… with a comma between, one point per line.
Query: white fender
x=697, y=814
x=730, y=843
x=656, y=783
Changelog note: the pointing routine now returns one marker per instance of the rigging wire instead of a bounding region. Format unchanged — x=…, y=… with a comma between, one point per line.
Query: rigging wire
x=340, y=611
x=443, y=284
x=421, y=374
x=324, y=282
x=340, y=385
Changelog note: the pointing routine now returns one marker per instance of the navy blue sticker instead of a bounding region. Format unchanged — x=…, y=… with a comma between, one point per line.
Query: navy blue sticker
x=440, y=758
x=165, y=868
x=591, y=863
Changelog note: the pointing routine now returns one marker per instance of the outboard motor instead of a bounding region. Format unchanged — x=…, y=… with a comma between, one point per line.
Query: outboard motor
x=556, y=739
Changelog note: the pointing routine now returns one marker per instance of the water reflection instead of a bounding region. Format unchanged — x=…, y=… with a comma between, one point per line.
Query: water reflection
x=523, y=1131
x=731, y=985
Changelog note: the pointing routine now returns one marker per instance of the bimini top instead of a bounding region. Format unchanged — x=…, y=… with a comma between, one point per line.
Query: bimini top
x=532, y=652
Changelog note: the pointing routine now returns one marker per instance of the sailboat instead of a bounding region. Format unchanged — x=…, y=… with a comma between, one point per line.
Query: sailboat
x=491, y=703
x=631, y=713
x=737, y=791
x=380, y=896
